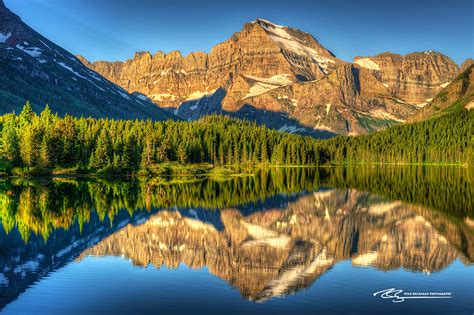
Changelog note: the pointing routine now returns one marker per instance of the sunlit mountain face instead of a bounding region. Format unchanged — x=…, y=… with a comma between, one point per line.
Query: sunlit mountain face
x=301, y=228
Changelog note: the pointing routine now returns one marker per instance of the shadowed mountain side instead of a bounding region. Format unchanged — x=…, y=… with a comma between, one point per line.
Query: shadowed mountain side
x=350, y=100
x=271, y=118
x=35, y=69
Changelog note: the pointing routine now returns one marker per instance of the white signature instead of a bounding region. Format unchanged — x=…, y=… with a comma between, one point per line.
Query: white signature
x=398, y=296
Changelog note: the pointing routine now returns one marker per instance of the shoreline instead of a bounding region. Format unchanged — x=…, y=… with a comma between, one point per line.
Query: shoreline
x=207, y=170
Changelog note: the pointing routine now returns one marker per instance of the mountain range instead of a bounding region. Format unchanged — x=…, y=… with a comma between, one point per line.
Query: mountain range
x=275, y=75
x=285, y=78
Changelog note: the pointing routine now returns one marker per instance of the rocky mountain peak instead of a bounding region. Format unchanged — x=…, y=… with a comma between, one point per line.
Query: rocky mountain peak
x=466, y=64
x=416, y=77
x=142, y=54
x=283, y=77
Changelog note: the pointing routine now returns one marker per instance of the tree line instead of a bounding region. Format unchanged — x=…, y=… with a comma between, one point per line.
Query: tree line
x=46, y=142
x=447, y=139
x=41, y=143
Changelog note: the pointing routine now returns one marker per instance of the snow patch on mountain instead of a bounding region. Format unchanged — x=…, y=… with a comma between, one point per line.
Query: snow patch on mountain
x=198, y=94
x=32, y=51
x=365, y=259
x=46, y=45
x=323, y=127
x=367, y=63
x=263, y=85
x=328, y=108
x=380, y=113
x=3, y=280
x=287, y=42
x=4, y=37
x=290, y=129
x=279, y=79
x=29, y=266
x=444, y=84
x=259, y=88
x=124, y=95
x=65, y=66
x=142, y=97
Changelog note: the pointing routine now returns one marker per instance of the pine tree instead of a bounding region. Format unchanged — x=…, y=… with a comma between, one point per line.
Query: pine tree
x=147, y=154
x=10, y=143
x=102, y=152
x=45, y=154
x=182, y=154
x=26, y=115
x=29, y=145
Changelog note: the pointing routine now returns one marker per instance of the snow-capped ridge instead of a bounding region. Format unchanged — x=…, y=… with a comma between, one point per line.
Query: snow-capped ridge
x=367, y=63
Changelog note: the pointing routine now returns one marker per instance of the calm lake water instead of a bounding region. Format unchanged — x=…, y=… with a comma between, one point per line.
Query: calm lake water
x=285, y=241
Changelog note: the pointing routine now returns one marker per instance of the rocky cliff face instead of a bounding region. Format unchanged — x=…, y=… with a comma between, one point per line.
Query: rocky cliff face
x=350, y=100
x=280, y=251
x=466, y=64
x=459, y=93
x=275, y=75
x=260, y=49
x=284, y=78
x=415, y=77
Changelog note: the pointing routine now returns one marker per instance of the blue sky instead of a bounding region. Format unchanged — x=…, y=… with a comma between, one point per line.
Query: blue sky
x=116, y=29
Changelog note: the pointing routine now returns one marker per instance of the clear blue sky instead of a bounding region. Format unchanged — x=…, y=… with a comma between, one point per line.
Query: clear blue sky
x=115, y=29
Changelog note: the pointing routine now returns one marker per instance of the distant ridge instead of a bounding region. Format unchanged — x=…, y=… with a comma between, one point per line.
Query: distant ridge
x=35, y=69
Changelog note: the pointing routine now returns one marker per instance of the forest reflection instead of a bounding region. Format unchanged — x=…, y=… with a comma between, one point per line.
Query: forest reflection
x=40, y=206
x=268, y=235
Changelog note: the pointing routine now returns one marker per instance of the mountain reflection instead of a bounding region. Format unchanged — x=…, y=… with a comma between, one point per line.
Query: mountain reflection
x=267, y=235
x=280, y=251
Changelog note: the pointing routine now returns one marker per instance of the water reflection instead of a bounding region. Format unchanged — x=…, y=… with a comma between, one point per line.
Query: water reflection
x=280, y=251
x=268, y=235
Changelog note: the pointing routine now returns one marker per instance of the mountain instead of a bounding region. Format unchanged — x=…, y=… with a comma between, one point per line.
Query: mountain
x=260, y=50
x=466, y=64
x=415, y=77
x=35, y=69
x=284, y=78
x=456, y=95
x=350, y=100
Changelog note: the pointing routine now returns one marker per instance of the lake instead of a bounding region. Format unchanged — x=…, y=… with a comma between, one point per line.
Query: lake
x=362, y=240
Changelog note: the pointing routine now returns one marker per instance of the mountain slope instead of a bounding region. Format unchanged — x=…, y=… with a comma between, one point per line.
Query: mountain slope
x=350, y=100
x=415, y=77
x=284, y=78
x=458, y=94
x=260, y=49
x=35, y=69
